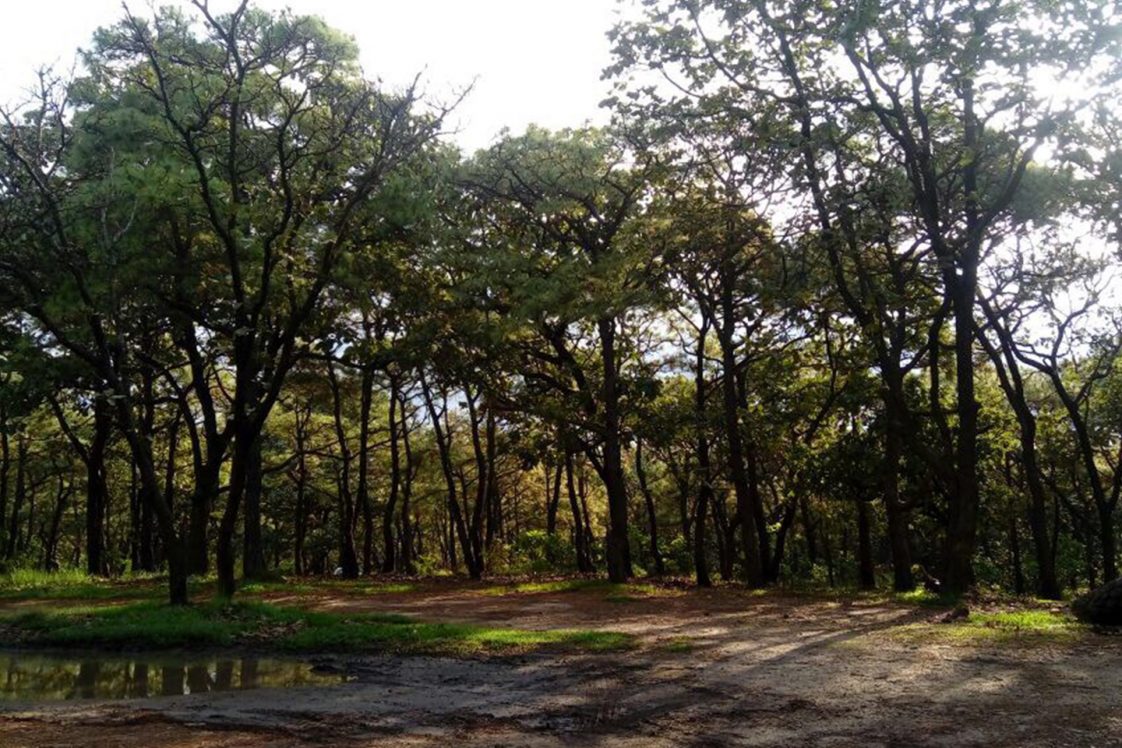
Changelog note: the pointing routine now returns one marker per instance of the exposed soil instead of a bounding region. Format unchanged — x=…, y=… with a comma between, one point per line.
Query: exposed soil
x=714, y=668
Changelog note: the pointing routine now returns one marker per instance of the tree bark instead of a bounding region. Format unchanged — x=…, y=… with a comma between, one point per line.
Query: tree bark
x=652, y=521
x=617, y=549
x=253, y=550
x=705, y=479
x=362, y=490
x=389, y=544
x=742, y=486
x=866, y=572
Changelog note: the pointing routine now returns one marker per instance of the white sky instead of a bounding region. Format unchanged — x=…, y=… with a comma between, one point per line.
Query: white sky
x=533, y=61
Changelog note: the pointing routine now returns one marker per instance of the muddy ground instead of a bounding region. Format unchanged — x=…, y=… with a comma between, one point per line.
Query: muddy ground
x=712, y=668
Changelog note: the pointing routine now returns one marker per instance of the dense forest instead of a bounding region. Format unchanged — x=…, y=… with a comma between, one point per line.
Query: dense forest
x=832, y=301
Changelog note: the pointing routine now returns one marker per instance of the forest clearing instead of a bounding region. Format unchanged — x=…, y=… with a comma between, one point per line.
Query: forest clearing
x=755, y=378
x=725, y=666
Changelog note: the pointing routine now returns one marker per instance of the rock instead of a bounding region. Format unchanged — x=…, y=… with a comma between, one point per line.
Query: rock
x=1102, y=606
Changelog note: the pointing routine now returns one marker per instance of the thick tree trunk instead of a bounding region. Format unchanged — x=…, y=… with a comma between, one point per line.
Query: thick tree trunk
x=149, y=489
x=963, y=516
x=902, y=578
x=241, y=456
x=617, y=549
x=97, y=490
x=742, y=487
x=962, y=283
x=253, y=550
x=202, y=501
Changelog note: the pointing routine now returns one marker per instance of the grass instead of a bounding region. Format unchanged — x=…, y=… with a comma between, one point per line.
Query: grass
x=350, y=587
x=613, y=592
x=924, y=597
x=537, y=588
x=151, y=625
x=73, y=584
x=1020, y=627
x=677, y=645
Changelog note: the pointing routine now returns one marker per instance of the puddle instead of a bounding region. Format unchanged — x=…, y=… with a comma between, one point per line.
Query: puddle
x=36, y=676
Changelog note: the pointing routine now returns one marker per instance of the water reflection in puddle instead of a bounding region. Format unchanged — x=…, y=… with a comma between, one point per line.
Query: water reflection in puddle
x=36, y=676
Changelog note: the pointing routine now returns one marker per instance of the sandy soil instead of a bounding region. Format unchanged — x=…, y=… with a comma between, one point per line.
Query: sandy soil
x=769, y=670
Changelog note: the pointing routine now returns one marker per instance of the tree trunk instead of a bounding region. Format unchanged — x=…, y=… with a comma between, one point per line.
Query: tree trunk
x=580, y=540
x=348, y=557
x=742, y=489
x=458, y=527
x=411, y=468
x=652, y=520
x=552, y=495
x=253, y=551
x=482, y=483
x=1107, y=542
x=5, y=465
x=239, y=465
x=1004, y=357
x=1015, y=550
x=362, y=490
x=389, y=553
x=866, y=573
x=618, y=550
x=962, y=283
x=19, y=496
x=97, y=490
x=902, y=578
x=50, y=543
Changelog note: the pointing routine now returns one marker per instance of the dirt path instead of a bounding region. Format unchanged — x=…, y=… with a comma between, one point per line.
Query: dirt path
x=713, y=668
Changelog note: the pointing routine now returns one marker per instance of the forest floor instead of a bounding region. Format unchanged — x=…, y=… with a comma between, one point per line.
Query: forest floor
x=701, y=667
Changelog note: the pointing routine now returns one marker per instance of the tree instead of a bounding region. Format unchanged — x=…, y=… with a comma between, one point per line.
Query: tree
x=566, y=211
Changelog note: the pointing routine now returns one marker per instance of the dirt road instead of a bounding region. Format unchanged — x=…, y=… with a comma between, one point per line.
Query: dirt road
x=713, y=668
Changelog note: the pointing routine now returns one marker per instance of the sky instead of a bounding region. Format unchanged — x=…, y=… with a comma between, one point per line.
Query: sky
x=531, y=61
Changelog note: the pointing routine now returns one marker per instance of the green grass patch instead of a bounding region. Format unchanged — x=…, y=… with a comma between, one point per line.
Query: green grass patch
x=555, y=585
x=677, y=645
x=1001, y=627
x=924, y=597
x=1029, y=621
x=364, y=633
x=613, y=592
x=151, y=625
x=146, y=625
x=31, y=584
x=358, y=588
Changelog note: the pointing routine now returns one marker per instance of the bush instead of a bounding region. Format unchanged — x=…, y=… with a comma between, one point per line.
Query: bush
x=537, y=552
